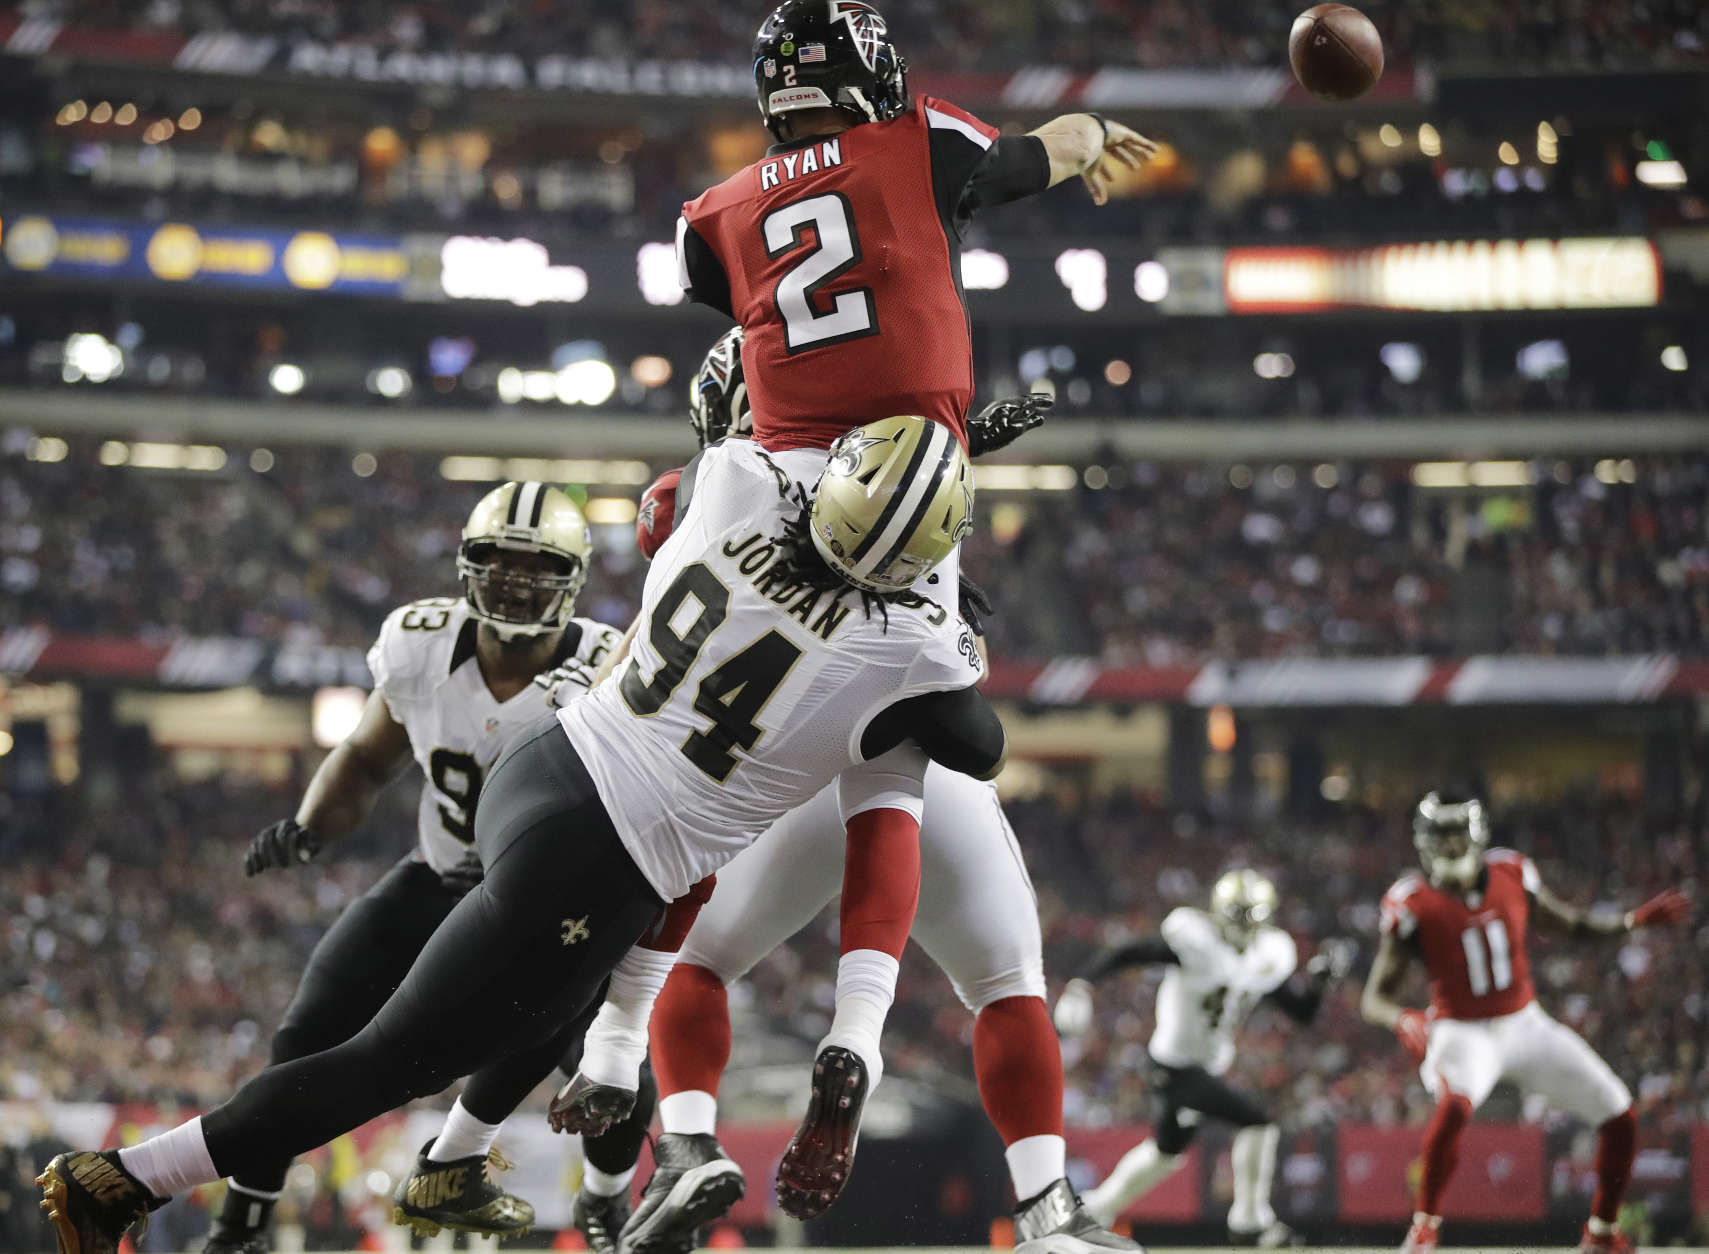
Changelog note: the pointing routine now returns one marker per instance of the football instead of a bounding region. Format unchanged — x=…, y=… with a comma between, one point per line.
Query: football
x=1335, y=51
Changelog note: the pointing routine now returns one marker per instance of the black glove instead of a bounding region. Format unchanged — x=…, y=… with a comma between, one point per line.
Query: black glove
x=464, y=874
x=285, y=844
x=975, y=605
x=1003, y=422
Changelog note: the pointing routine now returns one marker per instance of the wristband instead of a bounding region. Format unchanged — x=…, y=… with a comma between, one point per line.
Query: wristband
x=1104, y=123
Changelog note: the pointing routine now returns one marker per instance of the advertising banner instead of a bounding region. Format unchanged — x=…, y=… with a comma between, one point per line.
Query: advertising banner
x=1500, y=1177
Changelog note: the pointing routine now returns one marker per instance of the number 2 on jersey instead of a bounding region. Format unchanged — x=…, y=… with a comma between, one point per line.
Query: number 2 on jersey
x=731, y=694
x=836, y=250
x=1489, y=958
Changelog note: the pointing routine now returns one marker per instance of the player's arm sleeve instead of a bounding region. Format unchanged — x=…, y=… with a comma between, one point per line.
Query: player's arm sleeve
x=1142, y=952
x=699, y=271
x=1396, y=918
x=957, y=729
x=973, y=167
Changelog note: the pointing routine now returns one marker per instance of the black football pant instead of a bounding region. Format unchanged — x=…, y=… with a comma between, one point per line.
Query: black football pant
x=499, y=991
x=1193, y=1088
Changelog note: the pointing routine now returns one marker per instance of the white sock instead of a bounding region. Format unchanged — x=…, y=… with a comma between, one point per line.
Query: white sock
x=866, y=985
x=1036, y=1163
x=1254, y=1161
x=616, y=1042
x=1139, y=1171
x=173, y=1161
x=596, y=1181
x=691, y=1112
x=463, y=1136
x=1600, y=1227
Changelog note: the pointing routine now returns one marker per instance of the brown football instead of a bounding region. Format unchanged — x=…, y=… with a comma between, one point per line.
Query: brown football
x=1335, y=51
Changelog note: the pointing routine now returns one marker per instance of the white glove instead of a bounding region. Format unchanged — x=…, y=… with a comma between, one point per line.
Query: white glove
x=565, y=682
x=1074, y=1008
x=1334, y=958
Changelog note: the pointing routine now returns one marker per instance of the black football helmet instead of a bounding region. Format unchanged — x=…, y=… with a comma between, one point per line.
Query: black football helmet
x=828, y=54
x=718, y=393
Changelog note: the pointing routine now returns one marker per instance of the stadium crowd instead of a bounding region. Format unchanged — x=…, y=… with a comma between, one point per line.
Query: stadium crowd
x=137, y=963
x=1162, y=564
x=961, y=34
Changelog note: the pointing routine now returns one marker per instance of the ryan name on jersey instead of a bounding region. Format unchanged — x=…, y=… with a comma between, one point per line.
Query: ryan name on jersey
x=793, y=165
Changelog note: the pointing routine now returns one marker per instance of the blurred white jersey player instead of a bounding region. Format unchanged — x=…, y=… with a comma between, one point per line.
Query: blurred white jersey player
x=1219, y=965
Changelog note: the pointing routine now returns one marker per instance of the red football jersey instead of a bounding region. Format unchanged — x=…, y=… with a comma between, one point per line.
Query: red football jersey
x=656, y=515
x=1474, y=954
x=840, y=257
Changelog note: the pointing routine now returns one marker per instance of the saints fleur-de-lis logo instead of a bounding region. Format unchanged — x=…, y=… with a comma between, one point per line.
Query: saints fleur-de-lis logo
x=574, y=930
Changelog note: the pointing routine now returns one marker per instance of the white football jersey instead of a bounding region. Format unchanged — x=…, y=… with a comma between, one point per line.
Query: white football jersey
x=424, y=666
x=1205, y=998
x=743, y=695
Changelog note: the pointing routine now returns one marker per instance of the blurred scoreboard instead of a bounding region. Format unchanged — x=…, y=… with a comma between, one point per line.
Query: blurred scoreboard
x=1111, y=283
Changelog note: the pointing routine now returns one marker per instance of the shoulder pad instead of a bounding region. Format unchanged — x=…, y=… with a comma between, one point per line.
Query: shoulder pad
x=412, y=654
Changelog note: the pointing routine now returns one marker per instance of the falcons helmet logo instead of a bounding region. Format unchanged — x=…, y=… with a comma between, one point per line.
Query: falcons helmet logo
x=865, y=25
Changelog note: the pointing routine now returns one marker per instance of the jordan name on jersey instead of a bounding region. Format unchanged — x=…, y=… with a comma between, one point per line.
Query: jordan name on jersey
x=745, y=692
x=1207, y=995
x=424, y=666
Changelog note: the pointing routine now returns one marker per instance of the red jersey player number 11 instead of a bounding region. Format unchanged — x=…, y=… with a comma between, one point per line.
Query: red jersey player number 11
x=838, y=252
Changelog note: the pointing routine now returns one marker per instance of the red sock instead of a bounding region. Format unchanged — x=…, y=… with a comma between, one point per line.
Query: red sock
x=1019, y=1066
x=881, y=881
x=689, y=1036
x=1441, y=1152
x=1616, y=1146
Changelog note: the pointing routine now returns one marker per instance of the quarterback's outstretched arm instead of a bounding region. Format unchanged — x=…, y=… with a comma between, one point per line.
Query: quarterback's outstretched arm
x=1669, y=906
x=1078, y=143
x=339, y=794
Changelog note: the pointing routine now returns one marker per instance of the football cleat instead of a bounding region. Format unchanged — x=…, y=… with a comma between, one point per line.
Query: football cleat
x=1611, y=1242
x=1276, y=1236
x=459, y=1195
x=92, y=1200
x=819, y=1157
x=599, y=1218
x=1422, y=1237
x=1057, y=1222
x=588, y=1108
x=694, y=1182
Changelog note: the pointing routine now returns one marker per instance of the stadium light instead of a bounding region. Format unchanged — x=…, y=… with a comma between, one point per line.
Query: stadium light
x=1673, y=358
x=1660, y=173
x=518, y=270
x=983, y=270
x=286, y=379
x=1085, y=274
x=657, y=274
x=1151, y=281
x=390, y=382
x=92, y=357
x=1429, y=140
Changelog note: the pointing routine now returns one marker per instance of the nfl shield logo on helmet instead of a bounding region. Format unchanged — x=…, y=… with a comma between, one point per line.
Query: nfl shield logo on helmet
x=866, y=27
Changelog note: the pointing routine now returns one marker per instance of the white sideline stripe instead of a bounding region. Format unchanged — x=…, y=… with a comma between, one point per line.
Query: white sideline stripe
x=944, y=122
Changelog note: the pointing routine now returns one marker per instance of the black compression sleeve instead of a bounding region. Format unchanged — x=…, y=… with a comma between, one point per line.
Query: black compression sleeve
x=1014, y=166
x=1136, y=953
x=958, y=730
x=1299, y=1004
x=708, y=282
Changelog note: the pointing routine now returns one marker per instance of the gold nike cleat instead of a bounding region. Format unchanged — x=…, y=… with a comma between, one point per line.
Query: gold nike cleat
x=459, y=1195
x=92, y=1201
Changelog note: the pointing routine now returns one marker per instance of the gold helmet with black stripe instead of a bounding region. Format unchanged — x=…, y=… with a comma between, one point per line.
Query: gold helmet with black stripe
x=893, y=501
x=1243, y=901
x=524, y=558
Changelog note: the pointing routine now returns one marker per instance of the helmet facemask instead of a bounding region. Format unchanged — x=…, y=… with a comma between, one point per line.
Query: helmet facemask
x=1451, y=838
x=517, y=589
x=1242, y=902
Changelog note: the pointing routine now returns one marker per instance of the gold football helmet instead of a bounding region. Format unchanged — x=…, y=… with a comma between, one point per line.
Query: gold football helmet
x=524, y=558
x=894, y=500
x=1243, y=901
